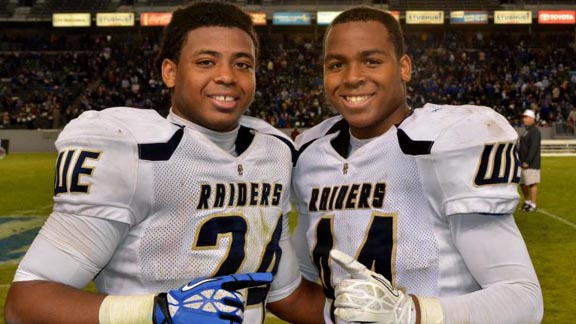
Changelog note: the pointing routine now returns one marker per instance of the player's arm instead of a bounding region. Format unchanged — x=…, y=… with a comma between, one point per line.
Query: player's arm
x=50, y=302
x=497, y=257
x=69, y=305
x=291, y=292
x=49, y=281
x=58, y=264
x=304, y=306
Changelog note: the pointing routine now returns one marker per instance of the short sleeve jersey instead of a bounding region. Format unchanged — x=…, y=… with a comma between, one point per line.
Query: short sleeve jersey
x=193, y=209
x=388, y=203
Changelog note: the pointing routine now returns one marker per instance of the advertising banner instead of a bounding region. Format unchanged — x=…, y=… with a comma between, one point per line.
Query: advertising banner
x=518, y=17
x=469, y=17
x=559, y=17
x=291, y=18
x=396, y=14
x=258, y=18
x=155, y=18
x=429, y=17
x=71, y=19
x=114, y=19
x=326, y=17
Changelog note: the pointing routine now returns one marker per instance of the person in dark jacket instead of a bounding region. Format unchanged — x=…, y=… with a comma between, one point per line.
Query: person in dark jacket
x=529, y=154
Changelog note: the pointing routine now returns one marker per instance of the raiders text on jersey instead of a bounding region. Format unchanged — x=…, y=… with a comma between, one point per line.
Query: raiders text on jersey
x=239, y=194
x=353, y=196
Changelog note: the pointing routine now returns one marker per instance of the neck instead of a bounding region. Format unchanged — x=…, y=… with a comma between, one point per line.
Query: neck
x=395, y=118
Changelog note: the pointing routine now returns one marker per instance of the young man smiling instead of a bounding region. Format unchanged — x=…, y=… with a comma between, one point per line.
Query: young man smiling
x=421, y=199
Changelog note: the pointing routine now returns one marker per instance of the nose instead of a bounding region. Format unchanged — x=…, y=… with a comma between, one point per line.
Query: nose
x=354, y=76
x=225, y=74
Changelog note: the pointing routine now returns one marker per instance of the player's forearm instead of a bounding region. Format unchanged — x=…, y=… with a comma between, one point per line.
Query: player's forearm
x=49, y=302
x=507, y=304
x=304, y=306
x=501, y=265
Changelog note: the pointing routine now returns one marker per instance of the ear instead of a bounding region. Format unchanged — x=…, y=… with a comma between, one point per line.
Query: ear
x=169, y=69
x=405, y=68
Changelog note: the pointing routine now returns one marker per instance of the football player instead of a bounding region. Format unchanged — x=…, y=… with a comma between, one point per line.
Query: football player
x=143, y=204
x=405, y=215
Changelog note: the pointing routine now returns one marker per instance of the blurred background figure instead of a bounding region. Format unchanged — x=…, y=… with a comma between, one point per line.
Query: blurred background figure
x=529, y=154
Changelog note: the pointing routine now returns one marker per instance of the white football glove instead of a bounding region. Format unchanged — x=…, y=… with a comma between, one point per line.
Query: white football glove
x=368, y=297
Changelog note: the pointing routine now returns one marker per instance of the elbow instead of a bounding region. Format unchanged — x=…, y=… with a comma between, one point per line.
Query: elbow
x=534, y=303
x=539, y=308
x=10, y=311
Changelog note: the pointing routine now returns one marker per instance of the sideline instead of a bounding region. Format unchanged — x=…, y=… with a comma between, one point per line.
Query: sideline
x=556, y=217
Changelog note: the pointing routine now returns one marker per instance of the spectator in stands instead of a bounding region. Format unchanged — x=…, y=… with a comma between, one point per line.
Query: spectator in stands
x=572, y=119
x=295, y=132
x=529, y=154
x=110, y=73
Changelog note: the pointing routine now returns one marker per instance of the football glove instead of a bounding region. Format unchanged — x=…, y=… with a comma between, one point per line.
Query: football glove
x=368, y=297
x=207, y=300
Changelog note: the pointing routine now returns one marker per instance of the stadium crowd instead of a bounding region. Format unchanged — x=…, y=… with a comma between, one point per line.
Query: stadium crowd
x=47, y=81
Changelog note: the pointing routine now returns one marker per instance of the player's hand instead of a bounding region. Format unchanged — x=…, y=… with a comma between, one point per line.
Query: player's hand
x=368, y=297
x=216, y=300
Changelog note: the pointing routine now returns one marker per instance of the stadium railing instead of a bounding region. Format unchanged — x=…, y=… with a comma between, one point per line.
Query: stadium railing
x=558, y=147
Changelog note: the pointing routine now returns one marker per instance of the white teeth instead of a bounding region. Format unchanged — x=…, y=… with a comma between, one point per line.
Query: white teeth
x=356, y=99
x=223, y=98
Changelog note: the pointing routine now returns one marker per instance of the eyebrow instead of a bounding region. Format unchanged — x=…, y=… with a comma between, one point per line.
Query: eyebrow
x=218, y=54
x=363, y=54
x=371, y=52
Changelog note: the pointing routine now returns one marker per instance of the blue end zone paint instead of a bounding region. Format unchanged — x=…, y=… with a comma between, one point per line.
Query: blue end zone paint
x=11, y=219
x=10, y=244
x=16, y=242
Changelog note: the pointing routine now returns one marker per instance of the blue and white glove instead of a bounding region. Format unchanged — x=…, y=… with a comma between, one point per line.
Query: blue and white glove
x=216, y=300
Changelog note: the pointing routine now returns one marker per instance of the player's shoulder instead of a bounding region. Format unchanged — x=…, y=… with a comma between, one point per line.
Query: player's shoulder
x=120, y=124
x=262, y=126
x=266, y=129
x=451, y=127
x=322, y=129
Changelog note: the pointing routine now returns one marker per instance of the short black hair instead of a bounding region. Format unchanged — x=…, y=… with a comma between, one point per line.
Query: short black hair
x=202, y=14
x=366, y=14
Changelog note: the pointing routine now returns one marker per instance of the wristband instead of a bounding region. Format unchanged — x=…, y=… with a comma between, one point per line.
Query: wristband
x=429, y=310
x=127, y=309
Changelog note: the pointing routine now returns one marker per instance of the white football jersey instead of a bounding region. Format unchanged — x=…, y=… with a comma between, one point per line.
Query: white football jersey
x=193, y=209
x=387, y=204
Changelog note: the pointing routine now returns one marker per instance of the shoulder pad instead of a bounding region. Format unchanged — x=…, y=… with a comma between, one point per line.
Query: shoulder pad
x=457, y=127
x=317, y=131
x=263, y=127
x=120, y=124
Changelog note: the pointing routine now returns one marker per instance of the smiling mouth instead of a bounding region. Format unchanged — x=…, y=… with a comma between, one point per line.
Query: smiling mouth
x=357, y=99
x=224, y=98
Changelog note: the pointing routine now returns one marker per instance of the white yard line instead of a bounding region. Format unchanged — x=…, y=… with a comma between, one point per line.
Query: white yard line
x=558, y=218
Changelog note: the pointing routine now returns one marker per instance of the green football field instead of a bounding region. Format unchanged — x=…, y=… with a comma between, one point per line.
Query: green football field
x=550, y=233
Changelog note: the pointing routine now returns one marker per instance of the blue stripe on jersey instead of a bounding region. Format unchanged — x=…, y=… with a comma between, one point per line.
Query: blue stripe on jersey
x=160, y=151
x=412, y=147
x=244, y=139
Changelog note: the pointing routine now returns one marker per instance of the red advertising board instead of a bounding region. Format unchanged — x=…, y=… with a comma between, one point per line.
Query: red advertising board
x=258, y=18
x=556, y=17
x=155, y=18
